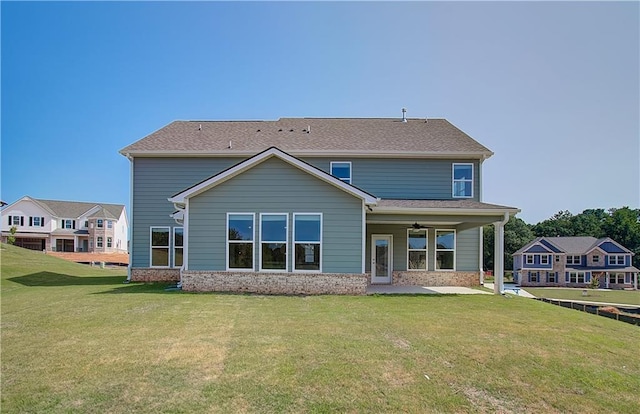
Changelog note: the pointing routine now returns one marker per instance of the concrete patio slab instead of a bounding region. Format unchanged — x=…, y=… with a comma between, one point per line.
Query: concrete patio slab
x=423, y=290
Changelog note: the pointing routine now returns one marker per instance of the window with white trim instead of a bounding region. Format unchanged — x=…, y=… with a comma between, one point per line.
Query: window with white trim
x=99, y=242
x=533, y=277
x=178, y=246
x=445, y=249
x=595, y=258
x=529, y=258
x=100, y=223
x=109, y=224
x=15, y=220
x=240, y=237
x=616, y=278
x=341, y=170
x=37, y=221
x=273, y=241
x=544, y=259
x=576, y=277
x=109, y=242
x=417, y=249
x=616, y=259
x=557, y=258
x=552, y=277
x=462, y=180
x=307, y=241
x=573, y=260
x=159, y=246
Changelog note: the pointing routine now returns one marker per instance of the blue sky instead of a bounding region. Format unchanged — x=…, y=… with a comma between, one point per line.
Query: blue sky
x=551, y=87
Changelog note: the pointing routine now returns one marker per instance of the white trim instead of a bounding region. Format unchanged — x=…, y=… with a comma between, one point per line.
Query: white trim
x=286, y=243
x=452, y=211
x=151, y=247
x=527, y=256
x=453, y=179
x=317, y=153
x=185, y=253
x=350, y=170
x=426, y=250
x=548, y=259
x=455, y=250
x=364, y=238
x=259, y=158
x=617, y=256
x=387, y=279
x=173, y=246
x=253, y=242
x=294, y=242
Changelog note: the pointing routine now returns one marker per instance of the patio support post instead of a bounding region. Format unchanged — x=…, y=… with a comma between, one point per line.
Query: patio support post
x=498, y=255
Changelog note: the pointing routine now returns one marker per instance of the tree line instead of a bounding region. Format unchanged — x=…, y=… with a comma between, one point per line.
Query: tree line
x=620, y=224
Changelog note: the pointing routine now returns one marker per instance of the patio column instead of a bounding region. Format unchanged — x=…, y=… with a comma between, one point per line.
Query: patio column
x=498, y=255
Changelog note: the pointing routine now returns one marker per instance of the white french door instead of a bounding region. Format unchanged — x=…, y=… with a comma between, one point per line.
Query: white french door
x=381, y=258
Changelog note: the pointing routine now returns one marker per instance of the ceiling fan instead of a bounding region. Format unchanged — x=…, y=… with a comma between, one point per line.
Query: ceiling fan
x=417, y=226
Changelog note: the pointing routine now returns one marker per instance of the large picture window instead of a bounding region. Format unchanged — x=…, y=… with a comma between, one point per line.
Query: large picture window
x=307, y=241
x=178, y=246
x=273, y=241
x=445, y=249
x=159, y=246
x=341, y=170
x=240, y=237
x=417, y=249
x=463, y=180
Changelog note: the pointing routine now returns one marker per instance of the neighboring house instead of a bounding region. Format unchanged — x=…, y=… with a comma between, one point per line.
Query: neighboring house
x=66, y=226
x=309, y=205
x=573, y=262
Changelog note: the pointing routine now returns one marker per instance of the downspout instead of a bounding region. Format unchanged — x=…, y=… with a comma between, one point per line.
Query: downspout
x=498, y=259
x=130, y=232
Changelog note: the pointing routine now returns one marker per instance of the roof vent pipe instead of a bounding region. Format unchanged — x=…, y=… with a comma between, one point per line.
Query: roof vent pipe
x=308, y=129
x=404, y=113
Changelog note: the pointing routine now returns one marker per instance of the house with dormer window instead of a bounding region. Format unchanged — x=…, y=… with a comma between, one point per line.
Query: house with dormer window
x=309, y=205
x=573, y=262
x=66, y=226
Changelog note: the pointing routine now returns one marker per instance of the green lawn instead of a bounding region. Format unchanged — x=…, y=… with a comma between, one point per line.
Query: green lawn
x=629, y=297
x=76, y=339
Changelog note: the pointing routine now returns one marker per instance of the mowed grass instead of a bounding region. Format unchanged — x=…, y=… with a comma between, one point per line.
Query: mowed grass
x=628, y=297
x=75, y=339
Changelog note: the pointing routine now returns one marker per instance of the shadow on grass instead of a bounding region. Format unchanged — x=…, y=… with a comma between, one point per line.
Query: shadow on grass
x=58, y=279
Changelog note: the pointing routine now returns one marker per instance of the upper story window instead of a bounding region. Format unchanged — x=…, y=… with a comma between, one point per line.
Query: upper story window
x=36, y=221
x=616, y=259
x=573, y=260
x=529, y=258
x=67, y=224
x=109, y=224
x=16, y=220
x=86, y=224
x=100, y=223
x=341, y=170
x=462, y=180
x=544, y=259
x=596, y=259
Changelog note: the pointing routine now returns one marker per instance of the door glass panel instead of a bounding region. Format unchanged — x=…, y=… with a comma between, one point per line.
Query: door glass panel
x=382, y=258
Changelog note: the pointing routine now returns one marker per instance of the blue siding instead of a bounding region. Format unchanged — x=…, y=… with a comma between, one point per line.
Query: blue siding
x=550, y=246
x=537, y=261
x=402, y=178
x=275, y=186
x=611, y=248
x=537, y=249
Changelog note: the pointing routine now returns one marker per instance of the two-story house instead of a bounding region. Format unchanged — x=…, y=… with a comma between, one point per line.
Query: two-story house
x=573, y=262
x=309, y=205
x=66, y=226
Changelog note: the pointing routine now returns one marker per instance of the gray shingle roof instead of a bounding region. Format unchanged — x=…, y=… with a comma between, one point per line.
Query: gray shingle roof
x=436, y=204
x=73, y=209
x=311, y=136
x=573, y=245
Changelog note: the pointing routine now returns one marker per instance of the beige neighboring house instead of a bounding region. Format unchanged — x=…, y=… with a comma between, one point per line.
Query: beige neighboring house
x=66, y=226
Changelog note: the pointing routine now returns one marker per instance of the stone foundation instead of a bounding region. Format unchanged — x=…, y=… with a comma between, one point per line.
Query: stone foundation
x=155, y=275
x=431, y=278
x=275, y=283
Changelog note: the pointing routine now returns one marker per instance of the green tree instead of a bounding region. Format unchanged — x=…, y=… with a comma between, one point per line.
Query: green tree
x=517, y=233
x=623, y=226
x=11, y=239
x=561, y=224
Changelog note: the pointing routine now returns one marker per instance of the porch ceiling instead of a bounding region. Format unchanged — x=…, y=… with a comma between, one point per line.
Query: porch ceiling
x=461, y=214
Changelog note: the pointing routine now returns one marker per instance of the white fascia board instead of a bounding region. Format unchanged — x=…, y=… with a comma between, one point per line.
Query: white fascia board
x=541, y=245
x=263, y=156
x=307, y=153
x=446, y=211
